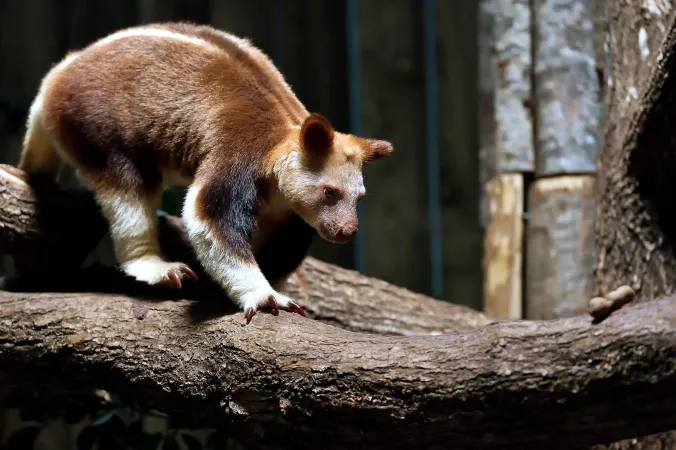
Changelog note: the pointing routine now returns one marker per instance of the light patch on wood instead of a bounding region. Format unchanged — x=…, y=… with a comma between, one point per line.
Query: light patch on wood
x=78, y=338
x=547, y=186
x=643, y=43
x=632, y=93
x=503, y=247
x=559, y=246
x=5, y=172
x=657, y=7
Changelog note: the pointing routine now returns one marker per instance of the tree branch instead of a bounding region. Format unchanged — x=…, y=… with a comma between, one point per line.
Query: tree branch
x=291, y=380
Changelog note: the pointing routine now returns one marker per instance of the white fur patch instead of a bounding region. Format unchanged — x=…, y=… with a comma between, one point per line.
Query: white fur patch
x=133, y=226
x=242, y=281
x=151, y=269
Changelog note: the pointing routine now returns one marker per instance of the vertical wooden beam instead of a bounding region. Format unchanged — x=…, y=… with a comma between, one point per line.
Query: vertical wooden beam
x=560, y=240
x=458, y=161
x=506, y=146
x=513, y=94
x=394, y=221
x=432, y=146
x=560, y=246
x=487, y=119
x=503, y=240
x=566, y=87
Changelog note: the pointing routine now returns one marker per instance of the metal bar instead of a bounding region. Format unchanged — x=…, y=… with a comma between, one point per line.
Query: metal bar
x=354, y=102
x=432, y=144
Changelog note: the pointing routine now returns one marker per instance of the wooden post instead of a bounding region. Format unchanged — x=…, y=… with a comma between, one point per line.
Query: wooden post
x=513, y=95
x=559, y=233
x=458, y=165
x=566, y=88
x=394, y=222
x=506, y=142
x=559, y=243
x=486, y=112
x=503, y=247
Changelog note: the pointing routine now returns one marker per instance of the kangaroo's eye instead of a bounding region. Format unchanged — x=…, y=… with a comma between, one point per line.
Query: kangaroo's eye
x=329, y=193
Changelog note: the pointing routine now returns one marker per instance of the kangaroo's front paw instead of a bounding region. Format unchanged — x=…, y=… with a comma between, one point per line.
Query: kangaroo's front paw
x=160, y=273
x=271, y=299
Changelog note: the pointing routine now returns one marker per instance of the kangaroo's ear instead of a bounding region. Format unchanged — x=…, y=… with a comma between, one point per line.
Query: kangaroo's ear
x=376, y=149
x=316, y=134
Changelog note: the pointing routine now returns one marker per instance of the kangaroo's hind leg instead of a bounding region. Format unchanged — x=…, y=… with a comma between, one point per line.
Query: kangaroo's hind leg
x=129, y=198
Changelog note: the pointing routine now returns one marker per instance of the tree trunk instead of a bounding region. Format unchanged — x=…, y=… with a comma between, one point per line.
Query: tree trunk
x=635, y=219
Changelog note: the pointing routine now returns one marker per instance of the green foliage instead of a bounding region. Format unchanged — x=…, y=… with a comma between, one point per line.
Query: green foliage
x=105, y=423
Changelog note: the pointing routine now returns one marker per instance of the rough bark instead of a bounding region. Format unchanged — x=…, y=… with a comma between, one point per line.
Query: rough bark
x=560, y=246
x=294, y=381
x=635, y=218
x=567, y=106
x=48, y=223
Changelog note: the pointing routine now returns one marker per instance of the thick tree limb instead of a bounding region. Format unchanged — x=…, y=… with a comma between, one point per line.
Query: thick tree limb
x=286, y=379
